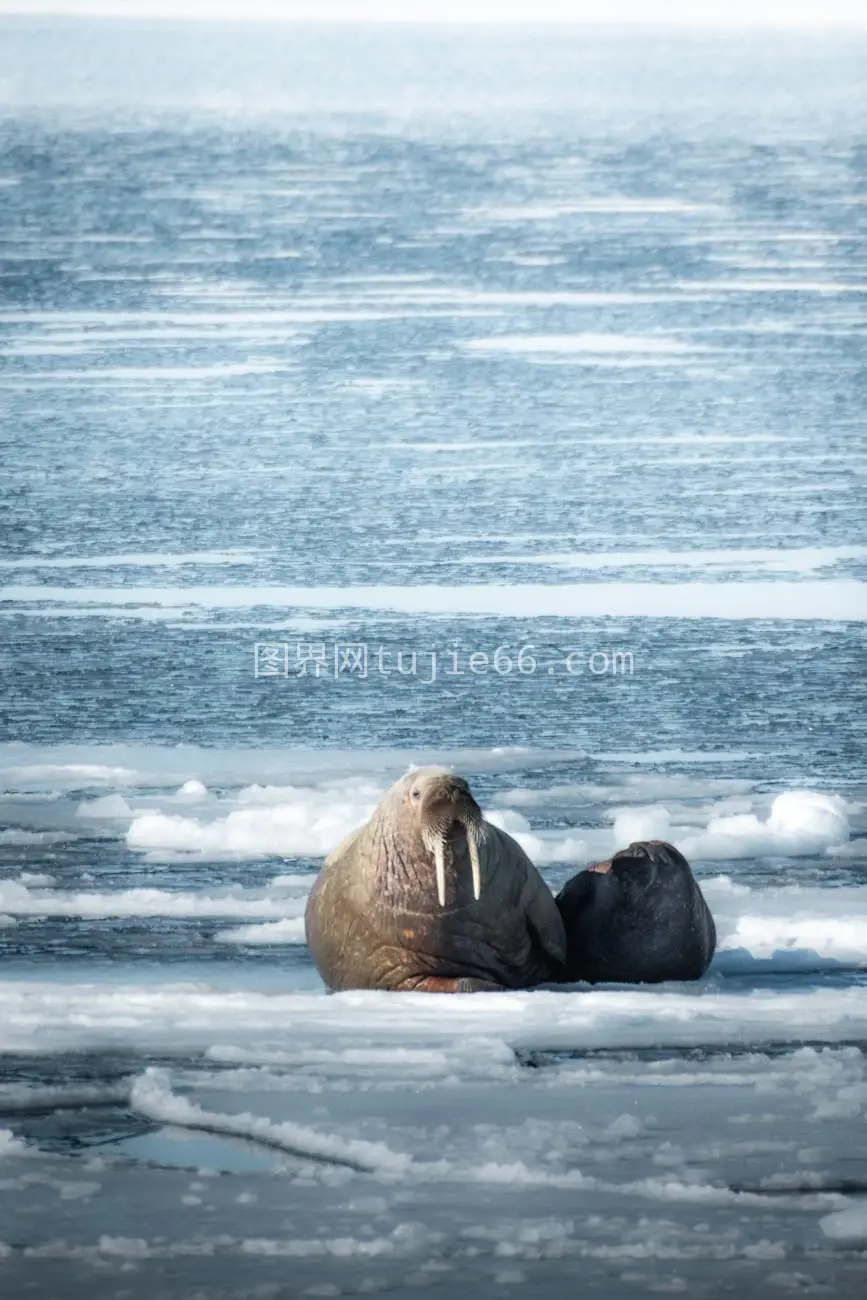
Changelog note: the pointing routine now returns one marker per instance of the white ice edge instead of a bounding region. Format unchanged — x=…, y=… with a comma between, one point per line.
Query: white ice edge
x=152, y=1097
x=758, y=560
x=43, y=1017
x=56, y=768
x=590, y=344
x=134, y=559
x=838, y=600
x=17, y=899
x=290, y=930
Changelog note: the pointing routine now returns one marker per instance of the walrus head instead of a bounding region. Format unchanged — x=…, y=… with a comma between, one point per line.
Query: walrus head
x=440, y=804
x=640, y=863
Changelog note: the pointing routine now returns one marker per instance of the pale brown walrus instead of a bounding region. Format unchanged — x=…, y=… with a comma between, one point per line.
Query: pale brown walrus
x=427, y=895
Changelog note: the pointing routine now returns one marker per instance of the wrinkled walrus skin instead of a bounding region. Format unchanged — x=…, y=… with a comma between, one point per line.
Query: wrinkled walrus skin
x=374, y=918
x=638, y=919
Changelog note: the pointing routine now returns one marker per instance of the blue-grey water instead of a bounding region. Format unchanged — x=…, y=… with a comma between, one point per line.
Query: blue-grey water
x=427, y=343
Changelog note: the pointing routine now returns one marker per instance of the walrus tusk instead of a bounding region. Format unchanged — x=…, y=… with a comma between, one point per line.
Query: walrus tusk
x=473, y=846
x=440, y=864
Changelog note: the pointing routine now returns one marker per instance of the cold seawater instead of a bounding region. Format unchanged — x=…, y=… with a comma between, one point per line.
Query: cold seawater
x=428, y=343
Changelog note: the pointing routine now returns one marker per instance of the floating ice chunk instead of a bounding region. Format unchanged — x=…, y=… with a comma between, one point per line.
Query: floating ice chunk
x=284, y=821
x=851, y=849
x=650, y=823
x=724, y=886
x=18, y=900
x=303, y=880
x=190, y=792
x=506, y=819
x=846, y=1103
x=765, y=1249
x=811, y=818
x=124, y=1247
x=404, y=1239
x=846, y=1225
x=558, y=848
x=800, y=823
x=10, y=1145
x=625, y=1126
x=80, y=1190
x=541, y=846
x=838, y=939
x=289, y=930
x=109, y=806
x=792, y=928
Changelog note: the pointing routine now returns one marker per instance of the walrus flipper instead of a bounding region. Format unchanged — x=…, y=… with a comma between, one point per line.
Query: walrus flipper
x=546, y=923
x=449, y=984
x=541, y=911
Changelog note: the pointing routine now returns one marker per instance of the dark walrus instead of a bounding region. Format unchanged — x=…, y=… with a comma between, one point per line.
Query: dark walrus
x=637, y=919
x=427, y=895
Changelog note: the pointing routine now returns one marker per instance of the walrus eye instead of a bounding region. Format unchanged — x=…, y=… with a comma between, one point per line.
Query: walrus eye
x=416, y=794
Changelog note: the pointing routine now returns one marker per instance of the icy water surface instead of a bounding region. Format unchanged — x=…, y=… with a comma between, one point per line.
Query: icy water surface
x=516, y=380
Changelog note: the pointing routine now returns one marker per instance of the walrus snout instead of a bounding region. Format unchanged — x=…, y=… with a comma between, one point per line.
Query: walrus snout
x=658, y=853
x=445, y=801
x=448, y=797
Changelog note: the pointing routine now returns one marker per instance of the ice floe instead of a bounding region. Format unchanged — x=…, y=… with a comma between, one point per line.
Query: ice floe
x=311, y=820
x=799, y=823
x=19, y=900
x=847, y=1225
x=112, y=806
x=289, y=930
x=282, y=822
x=41, y=1016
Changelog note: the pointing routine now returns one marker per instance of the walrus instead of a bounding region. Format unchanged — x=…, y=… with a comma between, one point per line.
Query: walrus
x=638, y=919
x=429, y=896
